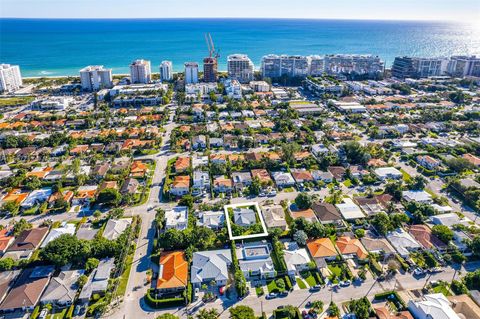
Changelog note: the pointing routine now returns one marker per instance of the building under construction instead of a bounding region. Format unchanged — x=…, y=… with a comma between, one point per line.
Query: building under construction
x=210, y=63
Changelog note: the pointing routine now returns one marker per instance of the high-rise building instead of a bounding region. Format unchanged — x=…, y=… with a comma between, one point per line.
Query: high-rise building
x=460, y=66
x=317, y=65
x=240, y=68
x=191, y=72
x=210, y=69
x=274, y=66
x=166, y=71
x=353, y=65
x=403, y=67
x=10, y=78
x=413, y=67
x=95, y=77
x=140, y=71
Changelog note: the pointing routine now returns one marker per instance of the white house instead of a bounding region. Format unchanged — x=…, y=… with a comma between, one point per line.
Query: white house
x=435, y=306
x=57, y=232
x=201, y=182
x=297, y=259
x=283, y=179
x=402, y=241
x=36, y=197
x=384, y=173
x=418, y=196
x=214, y=220
x=349, y=209
x=177, y=218
x=255, y=261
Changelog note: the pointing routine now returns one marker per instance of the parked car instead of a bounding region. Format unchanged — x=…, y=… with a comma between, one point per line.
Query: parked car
x=418, y=271
x=271, y=295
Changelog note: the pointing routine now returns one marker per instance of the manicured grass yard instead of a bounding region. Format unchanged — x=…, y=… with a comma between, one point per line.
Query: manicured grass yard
x=309, y=278
x=289, y=190
x=347, y=183
x=336, y=270
x=122, y=284
x=406, y=176
x=442, y=288
x=272, y=287
x=301, y=283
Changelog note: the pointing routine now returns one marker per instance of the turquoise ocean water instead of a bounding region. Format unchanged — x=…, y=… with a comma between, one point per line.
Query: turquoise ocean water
x=61, y=47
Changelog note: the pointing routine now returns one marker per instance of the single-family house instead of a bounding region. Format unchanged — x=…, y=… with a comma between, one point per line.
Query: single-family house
x=419, y=196
x=65, y=229
x=213, y=220
x=222, y=184
x=241, y=180
x=351, y=248
x=301, y=176
x=244, y=216
x=173, y=272
x=432, y=306
x=201, y=182
x=296, y=258
x=180, y=185
x=283, y=179
x=61, y=290
x=115, y=227
x=177, y=218
x=26, y=243
x=402, y=241
x=428, y=162
x=384, y=173
x=27, y=289
x=326, y=213
x=255, y=261
x=210, y=266
x=274, y=216
x=423, y=234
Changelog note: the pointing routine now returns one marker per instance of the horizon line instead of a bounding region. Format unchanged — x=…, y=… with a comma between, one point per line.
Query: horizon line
x=241, y=18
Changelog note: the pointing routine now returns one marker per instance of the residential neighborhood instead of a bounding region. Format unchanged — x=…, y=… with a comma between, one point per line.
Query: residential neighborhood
x=329, y=197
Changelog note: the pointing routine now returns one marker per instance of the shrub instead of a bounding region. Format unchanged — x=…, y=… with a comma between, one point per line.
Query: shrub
x=162, y=303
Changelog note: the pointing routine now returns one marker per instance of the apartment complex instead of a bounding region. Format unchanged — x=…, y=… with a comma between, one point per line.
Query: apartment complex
x=367, y=65
x=275, y=66
x=414, y=67
x=95, y=77
x=166, y=71
x=240, y=68
x=140, y=71
x=191, y=72
x=210, y=67
x=10, y=78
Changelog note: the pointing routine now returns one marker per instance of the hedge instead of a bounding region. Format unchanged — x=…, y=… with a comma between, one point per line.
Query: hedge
x=163, y=303
x=288, y=283
x=375, y=267
x=400, y=304
x=69, y=314
x=402, y=262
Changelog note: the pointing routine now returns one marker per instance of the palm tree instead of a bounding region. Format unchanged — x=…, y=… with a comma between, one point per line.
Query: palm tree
x=208, y=314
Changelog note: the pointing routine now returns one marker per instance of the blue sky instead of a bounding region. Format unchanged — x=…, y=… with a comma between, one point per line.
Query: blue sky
x=462, y=10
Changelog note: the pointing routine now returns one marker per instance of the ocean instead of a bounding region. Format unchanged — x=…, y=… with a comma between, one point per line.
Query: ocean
x=45, y=47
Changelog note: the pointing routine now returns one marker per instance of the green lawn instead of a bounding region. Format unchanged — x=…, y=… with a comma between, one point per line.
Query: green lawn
x=301, y=284
x=442, y=288
x=272, y=287
x=122, y=284
x=14, y=101
x=347, y=183
x=309, y=278
x=406, y=176
x=289, y=190
x=336, y=270
x=259, y=291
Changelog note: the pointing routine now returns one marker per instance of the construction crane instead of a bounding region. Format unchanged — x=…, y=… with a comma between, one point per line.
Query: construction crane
x=211, y=47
